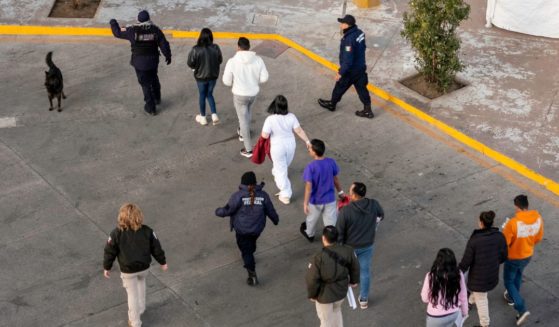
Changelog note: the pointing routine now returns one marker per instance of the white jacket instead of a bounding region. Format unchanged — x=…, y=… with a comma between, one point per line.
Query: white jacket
x=245, y=71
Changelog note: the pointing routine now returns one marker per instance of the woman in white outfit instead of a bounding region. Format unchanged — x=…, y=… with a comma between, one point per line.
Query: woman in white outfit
x=279, y=127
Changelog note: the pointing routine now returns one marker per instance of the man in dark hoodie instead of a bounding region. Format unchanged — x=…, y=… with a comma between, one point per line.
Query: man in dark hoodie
x=485, y=251
x=329, y=274
x=248, y=208
x=357, y=224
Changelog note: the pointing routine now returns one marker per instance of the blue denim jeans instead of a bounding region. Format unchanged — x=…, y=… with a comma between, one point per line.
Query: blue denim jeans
x=364, y=255
x=205, y=90
x=512, y=276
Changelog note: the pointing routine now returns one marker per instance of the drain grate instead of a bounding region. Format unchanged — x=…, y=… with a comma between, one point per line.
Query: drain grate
x=271, y=49
x=74, y=8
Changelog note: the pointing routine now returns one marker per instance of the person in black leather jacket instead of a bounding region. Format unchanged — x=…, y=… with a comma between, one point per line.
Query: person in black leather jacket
x=145, y=38
x=133, y=243
x=205, y=59
x=248, y=208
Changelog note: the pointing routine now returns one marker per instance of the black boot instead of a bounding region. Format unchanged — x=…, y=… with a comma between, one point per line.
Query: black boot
x=150, y=109
x=252, y=280
x=366, y=112
x=327, y=104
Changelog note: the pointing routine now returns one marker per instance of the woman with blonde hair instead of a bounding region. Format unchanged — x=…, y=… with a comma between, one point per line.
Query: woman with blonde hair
x=133, y=244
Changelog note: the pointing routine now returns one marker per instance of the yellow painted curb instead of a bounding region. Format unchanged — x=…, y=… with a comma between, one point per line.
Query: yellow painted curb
x=450, y=131
x=54, y=30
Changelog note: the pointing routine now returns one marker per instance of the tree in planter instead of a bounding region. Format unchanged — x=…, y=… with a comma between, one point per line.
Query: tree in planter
x=430, y=27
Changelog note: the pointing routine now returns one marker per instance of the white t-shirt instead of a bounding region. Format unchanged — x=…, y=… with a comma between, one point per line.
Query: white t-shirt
x=280, y=127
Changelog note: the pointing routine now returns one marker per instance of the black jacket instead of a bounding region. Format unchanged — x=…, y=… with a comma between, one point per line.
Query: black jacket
x=143, y=62
x=352, y=51
x=357, y=222
x=328, y=280
x=247, y=219
x=205, y=61
x=133, y=250
x=485, y=251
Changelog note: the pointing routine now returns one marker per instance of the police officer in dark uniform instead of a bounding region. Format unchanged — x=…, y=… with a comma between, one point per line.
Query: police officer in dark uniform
x=353, y=70
x=145, y=38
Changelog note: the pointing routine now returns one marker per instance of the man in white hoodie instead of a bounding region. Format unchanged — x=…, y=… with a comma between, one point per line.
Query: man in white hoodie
x=245, y=71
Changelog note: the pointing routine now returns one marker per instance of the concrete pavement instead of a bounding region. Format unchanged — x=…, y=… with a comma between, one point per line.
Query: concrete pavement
x=65, y=175
x=510, y=103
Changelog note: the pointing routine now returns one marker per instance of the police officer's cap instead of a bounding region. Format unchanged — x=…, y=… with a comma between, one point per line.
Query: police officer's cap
x=143, y=16
x=347, y=19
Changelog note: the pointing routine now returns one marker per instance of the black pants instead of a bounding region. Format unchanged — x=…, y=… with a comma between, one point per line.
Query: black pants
x=358, y=79
x=150, y=86
x=247, y=245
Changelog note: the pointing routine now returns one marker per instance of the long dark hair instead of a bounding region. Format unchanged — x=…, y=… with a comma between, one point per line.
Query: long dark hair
x=206, y=38
x=252, y=194
x=444, y=280
x=278, y=106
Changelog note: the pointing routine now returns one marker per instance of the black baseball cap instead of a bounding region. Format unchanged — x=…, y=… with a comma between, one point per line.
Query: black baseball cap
x=348, y=19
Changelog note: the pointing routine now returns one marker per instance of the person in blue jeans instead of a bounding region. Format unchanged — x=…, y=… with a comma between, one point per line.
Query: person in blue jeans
x=357, y=224
x=205, y=59
x=522, y=232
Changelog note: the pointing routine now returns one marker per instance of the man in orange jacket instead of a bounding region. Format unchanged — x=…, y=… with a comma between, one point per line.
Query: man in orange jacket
x=522, y=232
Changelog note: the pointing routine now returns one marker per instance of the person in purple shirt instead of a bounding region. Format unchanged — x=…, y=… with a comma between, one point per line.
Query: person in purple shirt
x=321, y=178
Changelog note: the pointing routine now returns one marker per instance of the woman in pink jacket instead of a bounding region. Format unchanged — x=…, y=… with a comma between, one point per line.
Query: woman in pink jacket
x=444, y=291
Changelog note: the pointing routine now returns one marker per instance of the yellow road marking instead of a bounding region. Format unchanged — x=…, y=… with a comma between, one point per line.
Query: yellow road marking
x=508, y=162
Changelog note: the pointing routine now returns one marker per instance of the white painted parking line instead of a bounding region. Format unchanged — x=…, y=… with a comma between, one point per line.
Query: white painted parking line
x=6, y=122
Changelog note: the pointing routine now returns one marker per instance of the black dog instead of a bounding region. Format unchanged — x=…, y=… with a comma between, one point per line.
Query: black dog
x=54, y=82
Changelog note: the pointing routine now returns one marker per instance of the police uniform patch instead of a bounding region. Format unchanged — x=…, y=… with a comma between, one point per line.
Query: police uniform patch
x=348, y=48
x=146, y=37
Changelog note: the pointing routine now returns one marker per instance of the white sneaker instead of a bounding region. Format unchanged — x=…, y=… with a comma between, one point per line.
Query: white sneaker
x=201, y=120
x=284, y=200
x=521, y=318
x=363, y=304
x=215, y=119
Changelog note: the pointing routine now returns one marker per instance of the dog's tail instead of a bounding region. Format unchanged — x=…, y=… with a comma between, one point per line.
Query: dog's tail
x=49, y=60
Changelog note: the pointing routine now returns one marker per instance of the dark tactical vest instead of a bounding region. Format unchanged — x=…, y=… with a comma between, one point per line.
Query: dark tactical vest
x=145, y=41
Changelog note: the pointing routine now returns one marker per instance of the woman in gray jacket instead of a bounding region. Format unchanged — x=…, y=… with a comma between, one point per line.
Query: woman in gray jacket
x=205, y=59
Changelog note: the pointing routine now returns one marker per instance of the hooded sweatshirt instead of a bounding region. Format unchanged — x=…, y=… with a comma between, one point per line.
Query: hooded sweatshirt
x=357, y=222
x=247, y=218
x=523, y=232
x=245, y=71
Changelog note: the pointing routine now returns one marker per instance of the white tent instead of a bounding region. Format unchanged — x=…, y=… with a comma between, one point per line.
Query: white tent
x=534, y=17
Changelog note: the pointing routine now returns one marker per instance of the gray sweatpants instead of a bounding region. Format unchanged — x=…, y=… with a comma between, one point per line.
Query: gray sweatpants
x=446, y=321
x=243, y=106
x=328, y=212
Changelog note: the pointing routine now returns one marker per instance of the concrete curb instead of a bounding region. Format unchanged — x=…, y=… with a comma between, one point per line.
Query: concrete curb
x=506, y=161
